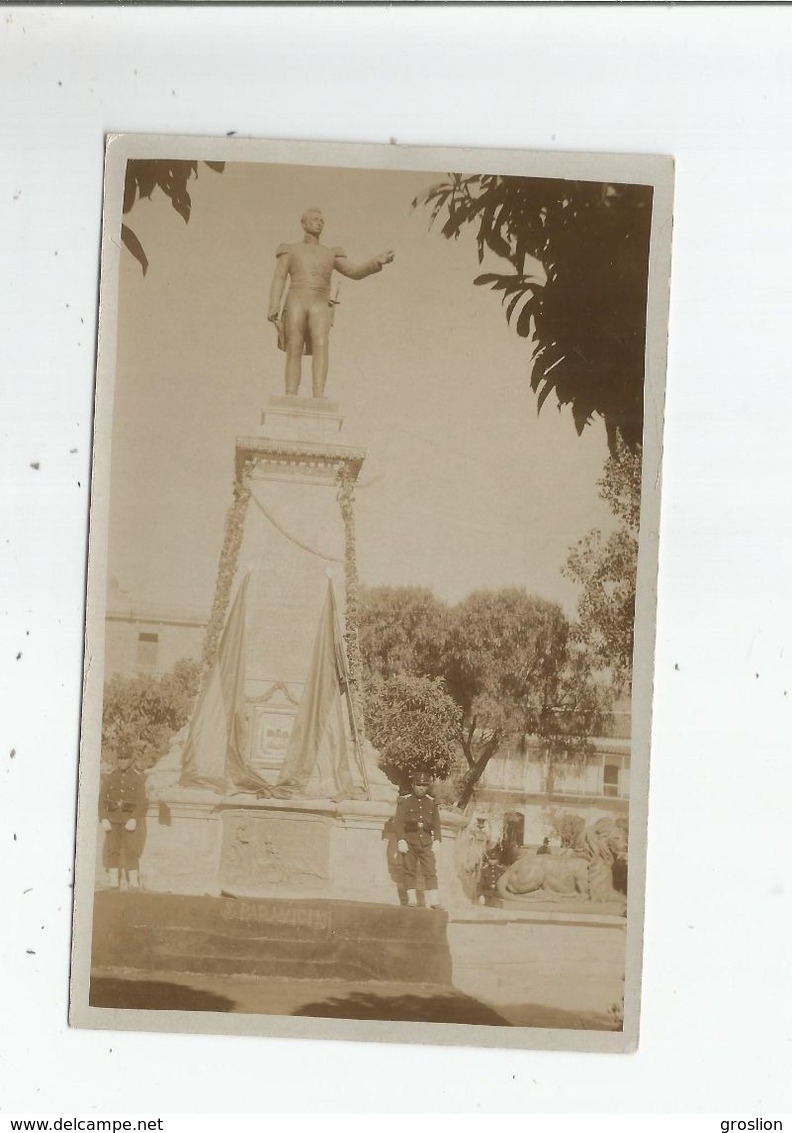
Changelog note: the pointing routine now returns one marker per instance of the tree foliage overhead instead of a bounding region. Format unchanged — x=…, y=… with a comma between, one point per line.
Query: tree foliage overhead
x=606, y=569
x=171, y=177
x=576, y=288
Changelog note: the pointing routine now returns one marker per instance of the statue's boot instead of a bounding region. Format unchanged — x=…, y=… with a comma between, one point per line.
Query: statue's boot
x=114, y=878
x=433, y=899
x=412, y=899
x=133, y=879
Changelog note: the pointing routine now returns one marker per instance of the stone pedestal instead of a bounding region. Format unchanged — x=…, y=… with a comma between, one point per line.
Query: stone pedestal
x=302, y=419
x=197, y=842
x=298, y=528
x=292, y=521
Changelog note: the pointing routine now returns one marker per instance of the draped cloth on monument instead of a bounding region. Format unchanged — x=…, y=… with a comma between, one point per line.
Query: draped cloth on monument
x=318, y=761
x=215, y=752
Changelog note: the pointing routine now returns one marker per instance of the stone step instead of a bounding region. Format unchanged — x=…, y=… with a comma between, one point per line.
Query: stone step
x=264, y=967
x=273, y=937
x=261, y=955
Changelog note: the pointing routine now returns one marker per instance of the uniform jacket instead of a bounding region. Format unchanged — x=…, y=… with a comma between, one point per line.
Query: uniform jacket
x=122, y=795
x=417, y=820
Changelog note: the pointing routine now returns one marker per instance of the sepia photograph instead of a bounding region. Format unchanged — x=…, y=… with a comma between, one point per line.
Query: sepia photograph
x=371, y=593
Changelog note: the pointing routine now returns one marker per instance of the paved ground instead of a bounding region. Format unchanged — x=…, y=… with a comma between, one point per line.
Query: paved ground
x=328, y=999
x=546, y=968
x=318, y=999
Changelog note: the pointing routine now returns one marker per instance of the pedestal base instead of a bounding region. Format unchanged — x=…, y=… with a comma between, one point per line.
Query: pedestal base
x=199, y=843
x=301, y=419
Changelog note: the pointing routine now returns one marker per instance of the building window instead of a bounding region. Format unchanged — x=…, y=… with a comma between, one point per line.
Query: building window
x=610, y=780
x=147, y=650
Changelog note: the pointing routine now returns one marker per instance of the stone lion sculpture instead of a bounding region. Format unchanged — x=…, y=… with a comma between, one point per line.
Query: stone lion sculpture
x=584, y=873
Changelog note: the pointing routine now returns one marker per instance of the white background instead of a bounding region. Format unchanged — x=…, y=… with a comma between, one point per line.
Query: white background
x=712, y=87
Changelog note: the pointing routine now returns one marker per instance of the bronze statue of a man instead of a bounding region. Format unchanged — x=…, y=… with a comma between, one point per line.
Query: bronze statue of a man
x=304, y=325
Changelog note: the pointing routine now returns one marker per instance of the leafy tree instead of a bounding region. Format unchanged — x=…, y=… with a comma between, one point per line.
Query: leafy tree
x=578, y=256
x=506, y=660
x=402, y=629
x=171, y=177
x=580, y=709
x=141, y=713
x=512, y=668
x=606, y=568
x=414, y=724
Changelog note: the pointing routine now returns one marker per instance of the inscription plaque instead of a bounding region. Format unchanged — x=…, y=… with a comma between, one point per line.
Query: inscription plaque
x=267, y=851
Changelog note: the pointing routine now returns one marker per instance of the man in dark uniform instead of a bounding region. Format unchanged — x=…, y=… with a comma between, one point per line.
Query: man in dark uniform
x=122, y=804
x=417, y=827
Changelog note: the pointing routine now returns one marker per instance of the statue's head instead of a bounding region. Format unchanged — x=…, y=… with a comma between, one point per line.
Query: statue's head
x=312, y=221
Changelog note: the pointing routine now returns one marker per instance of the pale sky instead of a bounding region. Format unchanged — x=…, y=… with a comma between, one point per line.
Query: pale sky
x=464, y=487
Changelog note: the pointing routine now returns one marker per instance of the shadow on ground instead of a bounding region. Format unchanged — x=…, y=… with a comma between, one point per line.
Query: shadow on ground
x=432, y=1007
x=290, y=997
x=154, y=995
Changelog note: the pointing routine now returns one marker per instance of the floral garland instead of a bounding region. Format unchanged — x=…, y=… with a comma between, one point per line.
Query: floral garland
x=346, y=488
x=232, y=541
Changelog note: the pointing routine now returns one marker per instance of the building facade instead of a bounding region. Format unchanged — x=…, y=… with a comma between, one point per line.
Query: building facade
x=149, y=639
x=523, y=800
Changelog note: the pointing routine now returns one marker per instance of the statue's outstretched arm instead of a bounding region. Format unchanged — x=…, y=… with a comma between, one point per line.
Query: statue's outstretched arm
x=276, y=290
x=360, y=271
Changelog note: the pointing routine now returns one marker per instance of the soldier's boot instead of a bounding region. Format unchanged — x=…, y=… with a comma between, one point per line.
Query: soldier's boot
x=114, y=878
x=412, y=899
x=433, y=899
x=133, y=879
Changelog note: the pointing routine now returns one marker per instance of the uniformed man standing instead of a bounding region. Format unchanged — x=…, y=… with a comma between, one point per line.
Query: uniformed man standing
x=417, y=827
x=122, y=804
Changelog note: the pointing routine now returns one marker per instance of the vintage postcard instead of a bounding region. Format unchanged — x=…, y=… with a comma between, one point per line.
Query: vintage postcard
x=371, y=593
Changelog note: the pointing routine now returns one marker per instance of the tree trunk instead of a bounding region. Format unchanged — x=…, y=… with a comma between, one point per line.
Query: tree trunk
x=475, y=773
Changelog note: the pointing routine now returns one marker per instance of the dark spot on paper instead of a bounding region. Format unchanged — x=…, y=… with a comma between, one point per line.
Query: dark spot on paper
x=24, y=891
x=35, y=464
x=676, y=667
x=12, y=753
x=72, y=450
x=19, y=656
x=230, y=133
x=30, y=952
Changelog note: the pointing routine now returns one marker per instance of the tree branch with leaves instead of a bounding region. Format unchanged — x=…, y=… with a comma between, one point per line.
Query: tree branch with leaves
x=171, y=178
x=576, y=288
